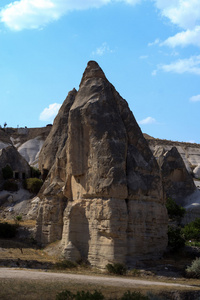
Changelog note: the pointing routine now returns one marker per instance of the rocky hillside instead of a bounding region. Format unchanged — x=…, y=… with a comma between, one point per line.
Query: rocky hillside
x=28, y=141
x=189, y=152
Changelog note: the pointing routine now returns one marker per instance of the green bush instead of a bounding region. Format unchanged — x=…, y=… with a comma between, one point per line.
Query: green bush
x=33, y=185
x=116, y=268
x=89, y=296
x=133, y=296
x=35, y=173
x=7, y=231
x=175, y=238
x=191, y=231
x=65, y=264
x=174, y=210
x=67, y=295
x=193, y=271
x=10, y=186
x=7, y=172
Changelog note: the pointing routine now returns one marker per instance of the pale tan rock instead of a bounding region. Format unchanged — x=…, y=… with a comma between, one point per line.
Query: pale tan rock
x=103, y=196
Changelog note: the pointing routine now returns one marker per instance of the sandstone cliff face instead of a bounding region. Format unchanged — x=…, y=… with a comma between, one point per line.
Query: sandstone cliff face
x=103, y=196
x=177, y=182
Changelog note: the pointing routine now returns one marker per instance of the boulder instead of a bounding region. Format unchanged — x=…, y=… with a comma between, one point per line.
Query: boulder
x=103, y=195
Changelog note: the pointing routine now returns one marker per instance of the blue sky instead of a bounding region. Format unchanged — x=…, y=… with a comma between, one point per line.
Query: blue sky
x=148, y=49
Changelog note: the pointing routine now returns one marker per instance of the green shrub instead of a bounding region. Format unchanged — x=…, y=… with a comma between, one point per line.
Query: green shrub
x=67, y=295
x=191, y=231
x=35, y=173
x=33, y=185
x=10, y=186
x=7, y=231
x=89, y=296
x=116, y=268
x=174, y=210
x=133, y=296
x=193, y=271
x=65, y=264
x=7, y=172
x=175, y=238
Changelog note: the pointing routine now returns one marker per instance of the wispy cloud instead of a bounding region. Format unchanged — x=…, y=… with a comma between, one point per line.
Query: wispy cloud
x=195, y=98
x=143, y=57
x=147, y=121
x=184, y=38
x=49, y=113
x=156, y=42
x=33, y=14
x=189, y=65
x=103, y=49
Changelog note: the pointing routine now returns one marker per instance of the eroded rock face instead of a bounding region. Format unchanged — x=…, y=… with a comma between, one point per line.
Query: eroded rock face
x=103, y=196
x=10, y=156
x=177, y=181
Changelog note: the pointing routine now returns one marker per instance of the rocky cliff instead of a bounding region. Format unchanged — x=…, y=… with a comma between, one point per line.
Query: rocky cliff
x=28, y=141
x=103, y=196
x=189, y=152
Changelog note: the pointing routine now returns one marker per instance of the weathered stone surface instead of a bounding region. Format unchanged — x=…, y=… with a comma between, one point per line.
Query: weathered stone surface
x=57, y=137
x=177, y=182
x=103, y=195
x=189, y=152
x=10, y=156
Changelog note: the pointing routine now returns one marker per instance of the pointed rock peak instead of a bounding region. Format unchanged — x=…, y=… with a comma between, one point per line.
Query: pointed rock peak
x=92, y=71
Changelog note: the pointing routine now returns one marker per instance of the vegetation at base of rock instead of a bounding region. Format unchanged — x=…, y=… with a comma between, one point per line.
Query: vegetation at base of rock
x=18, y=219
x=67, y=295
x=175, y=238
x=33, y=185
x=174, y=210
x=191, y=231
x=8, y=231
x=193, y=271
x=65, y=264
x=116, y=268
x=10, y=185
x=7, y=172
x=96, y=295
x=35, y=173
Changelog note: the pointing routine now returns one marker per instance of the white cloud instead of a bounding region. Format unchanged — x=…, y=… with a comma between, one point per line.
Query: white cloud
x=195, y=98
x=184, y=38
x=184, y=13
x=189, y=65
x=157, y=41
x=49, y=113
x=33, y=14
x=103, y=49
x=147, y=121
x=143, y=57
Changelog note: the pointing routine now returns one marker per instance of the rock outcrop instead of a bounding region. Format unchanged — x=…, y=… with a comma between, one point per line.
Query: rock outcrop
x=189, y=152
x=177, y=182
x=10, y=156
x=103, y=196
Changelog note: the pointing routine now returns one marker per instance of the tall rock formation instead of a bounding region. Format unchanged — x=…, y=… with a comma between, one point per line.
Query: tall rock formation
x=103, y=196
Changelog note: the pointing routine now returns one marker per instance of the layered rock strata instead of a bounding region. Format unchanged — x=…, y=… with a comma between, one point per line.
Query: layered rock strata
x=103, y=195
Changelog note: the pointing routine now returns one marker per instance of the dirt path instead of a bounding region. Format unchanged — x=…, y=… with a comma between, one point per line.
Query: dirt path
x=7, y=273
